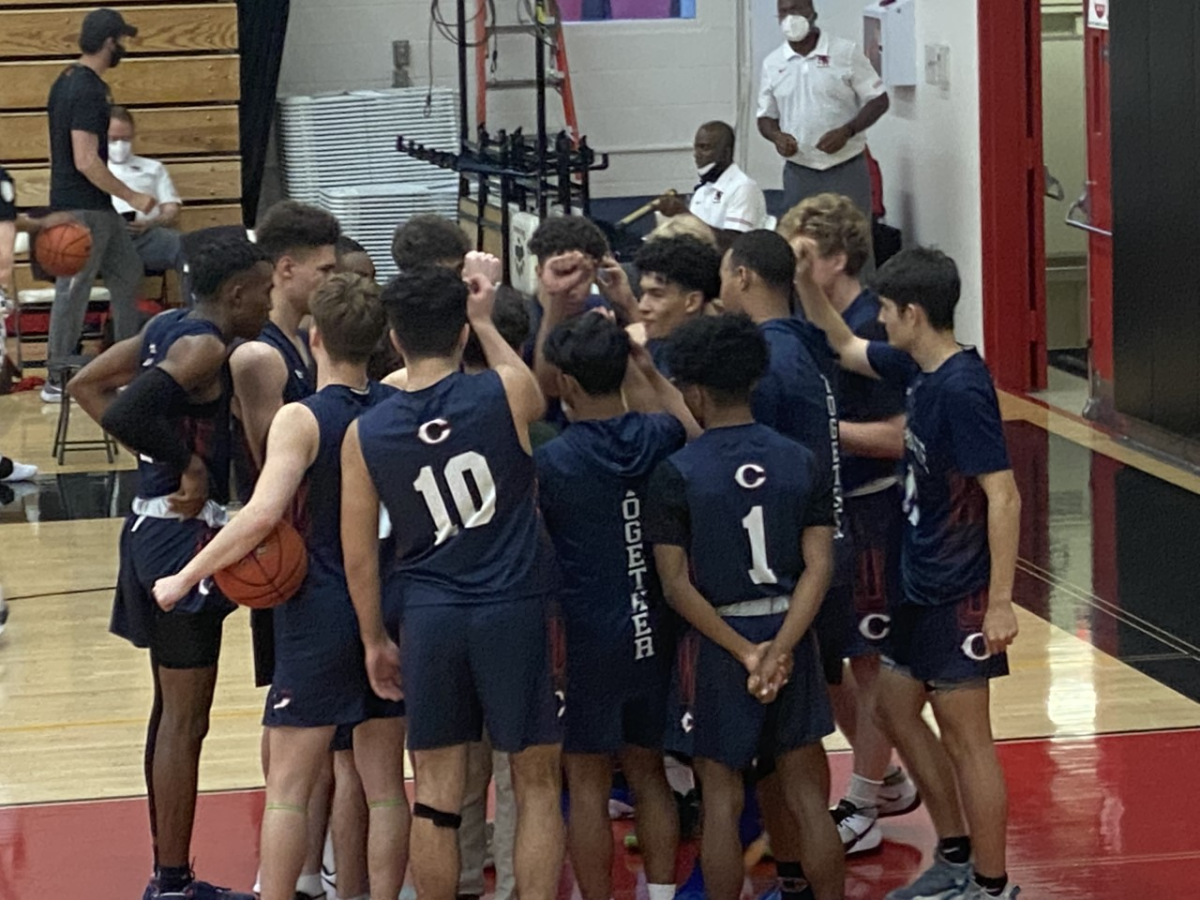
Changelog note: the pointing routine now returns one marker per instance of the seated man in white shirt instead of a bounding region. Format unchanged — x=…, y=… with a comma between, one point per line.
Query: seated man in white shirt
x=727, y=199
x=158, y=243
x=818, y=97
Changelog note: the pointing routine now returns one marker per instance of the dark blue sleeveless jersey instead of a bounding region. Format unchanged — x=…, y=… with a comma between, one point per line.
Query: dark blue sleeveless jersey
x=657, y=348
x=955, y=434
x=739, y=499
x=301, y=383
x=862, y=399
x=205, y=427
x=460, y=491
x=318, y=506
x=592, y=483
x=796, y=396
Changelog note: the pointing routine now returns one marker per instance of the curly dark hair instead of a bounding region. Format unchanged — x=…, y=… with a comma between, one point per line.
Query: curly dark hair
x=290, y=227
x=591, y=349
x=216, y=255
x=513, y=321
x=428, y=240
x=726, y=355
x=563, y=234
x=683, y=260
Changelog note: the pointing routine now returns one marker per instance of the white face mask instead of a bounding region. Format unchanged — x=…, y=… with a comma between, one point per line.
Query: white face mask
x=119, y=151
x=795, y=28
x=704, y=170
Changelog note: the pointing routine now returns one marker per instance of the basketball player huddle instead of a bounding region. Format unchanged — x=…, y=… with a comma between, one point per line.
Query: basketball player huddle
x=727, y=564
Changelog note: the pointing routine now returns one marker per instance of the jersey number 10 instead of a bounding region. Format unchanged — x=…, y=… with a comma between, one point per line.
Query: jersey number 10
x=761, y=572
x=471, y=513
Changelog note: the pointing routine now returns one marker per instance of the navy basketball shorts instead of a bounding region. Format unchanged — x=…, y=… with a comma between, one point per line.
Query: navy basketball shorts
x=613, y=700
x=467, y=666
x=833, y=627
x=943, y=646
x=189, y=636
x=732, y=727
x=876, y=523
x=681, y=696
x=320, y=666
x=262, y=645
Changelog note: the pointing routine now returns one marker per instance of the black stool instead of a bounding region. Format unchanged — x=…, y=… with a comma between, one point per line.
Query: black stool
x=62, y=442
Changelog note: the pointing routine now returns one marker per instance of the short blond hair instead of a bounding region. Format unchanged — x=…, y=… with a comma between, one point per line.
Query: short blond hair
x=685, y=224
x=349, y=315
x=837, y=226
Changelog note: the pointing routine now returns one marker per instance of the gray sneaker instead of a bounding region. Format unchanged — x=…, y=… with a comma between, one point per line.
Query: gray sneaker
x=943, y=880
x=975, y=892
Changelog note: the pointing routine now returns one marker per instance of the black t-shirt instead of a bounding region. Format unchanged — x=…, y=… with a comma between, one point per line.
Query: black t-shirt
x=8, y=197
x=79, y=101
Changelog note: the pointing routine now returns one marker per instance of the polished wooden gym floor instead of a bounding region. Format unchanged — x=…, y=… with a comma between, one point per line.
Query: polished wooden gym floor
x=1100, y=719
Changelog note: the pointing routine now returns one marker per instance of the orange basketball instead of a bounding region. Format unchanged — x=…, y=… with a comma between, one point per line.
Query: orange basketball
x=63, y=250
x=270, y=574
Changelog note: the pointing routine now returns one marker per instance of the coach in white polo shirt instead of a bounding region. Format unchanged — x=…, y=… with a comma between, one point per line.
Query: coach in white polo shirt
x=819, y=95
x=727, y=200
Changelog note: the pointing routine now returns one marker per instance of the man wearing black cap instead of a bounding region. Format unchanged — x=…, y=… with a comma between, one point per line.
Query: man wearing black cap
x=80, y=182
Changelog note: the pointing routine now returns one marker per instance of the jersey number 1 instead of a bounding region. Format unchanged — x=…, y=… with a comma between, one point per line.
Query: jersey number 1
x=761, y=572
x=472, y=514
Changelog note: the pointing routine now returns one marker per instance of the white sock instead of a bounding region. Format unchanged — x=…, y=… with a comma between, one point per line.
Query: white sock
x=257, y=890
x=660, y=891
x=310, y=885
x=863, y=792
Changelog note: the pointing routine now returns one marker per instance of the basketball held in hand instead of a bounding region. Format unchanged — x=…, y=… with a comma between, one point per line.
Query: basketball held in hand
x=63, y=250
x=268, y=575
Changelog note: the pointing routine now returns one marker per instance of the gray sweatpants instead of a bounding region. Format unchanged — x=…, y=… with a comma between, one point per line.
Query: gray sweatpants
x=851, y=179
x=484, y=765
x=114, y=257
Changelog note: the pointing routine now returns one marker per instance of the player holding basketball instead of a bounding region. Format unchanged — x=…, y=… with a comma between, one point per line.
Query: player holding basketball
x=742, y=522
x=173, y=412
x=592, y=490
x=871, y=431
x=951, y=632
x=320, y=682
x=449, y=458
x=274, y=369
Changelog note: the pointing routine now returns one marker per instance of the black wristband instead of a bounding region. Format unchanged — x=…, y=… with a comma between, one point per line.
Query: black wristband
x=141, y=418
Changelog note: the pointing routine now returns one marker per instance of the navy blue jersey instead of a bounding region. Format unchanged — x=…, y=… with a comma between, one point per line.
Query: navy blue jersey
x=955, y=434
x=592, y=484
x=657, y=348
x=301, y=383
x=460, y=491
x=739, y=499
x=862, y=399
x=796, y=396
x=205, y=427
x=320, y=512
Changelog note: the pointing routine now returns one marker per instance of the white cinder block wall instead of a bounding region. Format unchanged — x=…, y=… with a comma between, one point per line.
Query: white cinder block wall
x=641, y=88
x=929, y=147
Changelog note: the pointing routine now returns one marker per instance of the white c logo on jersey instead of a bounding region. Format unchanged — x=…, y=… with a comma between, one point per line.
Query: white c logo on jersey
x=975, y=647
x=751, y=476
x=434, y=432
x=875, y=626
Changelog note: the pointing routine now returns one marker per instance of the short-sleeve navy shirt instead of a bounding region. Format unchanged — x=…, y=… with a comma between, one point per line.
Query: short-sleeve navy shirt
x=954, y=435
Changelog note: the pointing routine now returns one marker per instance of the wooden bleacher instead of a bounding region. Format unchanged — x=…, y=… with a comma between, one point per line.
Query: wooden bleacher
x=180, y=80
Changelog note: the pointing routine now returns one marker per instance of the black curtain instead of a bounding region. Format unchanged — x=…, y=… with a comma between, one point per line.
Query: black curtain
x=1156, y=183
x=262, y=27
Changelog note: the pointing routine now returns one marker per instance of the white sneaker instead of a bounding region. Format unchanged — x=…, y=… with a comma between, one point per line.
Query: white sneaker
x=858, y=828
x=51, y=393
x=898, y=796
x=975, y=892
x=20, y=472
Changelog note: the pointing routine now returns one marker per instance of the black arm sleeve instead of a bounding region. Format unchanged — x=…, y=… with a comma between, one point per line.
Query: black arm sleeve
x=141, y=418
